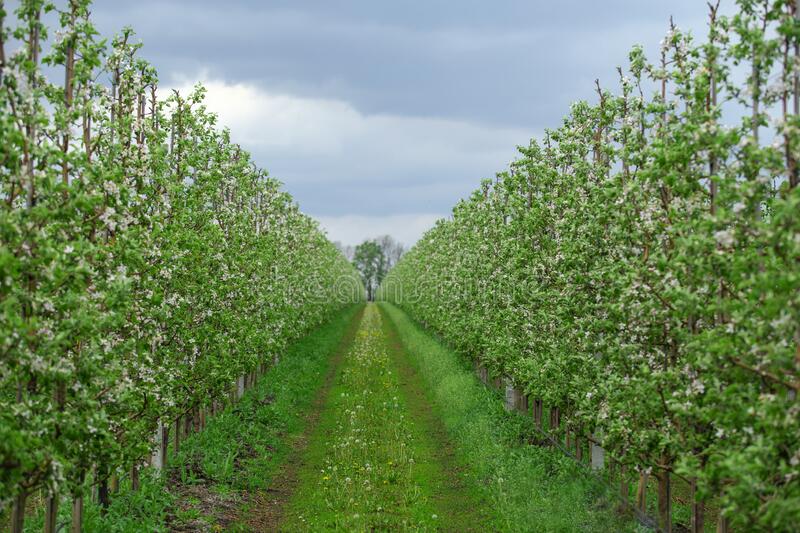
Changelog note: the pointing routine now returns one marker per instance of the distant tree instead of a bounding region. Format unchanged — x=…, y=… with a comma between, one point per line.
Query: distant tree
x=374, y=258
x=368, y=258
x=392, y=250
x=348, y=250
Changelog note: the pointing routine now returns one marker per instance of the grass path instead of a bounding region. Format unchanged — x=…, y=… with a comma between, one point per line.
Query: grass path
x=377, y=460
x=528, y=488
x=267, y=509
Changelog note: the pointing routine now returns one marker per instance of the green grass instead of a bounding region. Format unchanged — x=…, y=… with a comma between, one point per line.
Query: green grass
x=529, y=488
x=368, y=465
x=408, y=439
x=237, y=454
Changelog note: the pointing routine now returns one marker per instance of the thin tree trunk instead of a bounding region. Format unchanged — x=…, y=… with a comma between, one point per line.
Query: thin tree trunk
x=18, y=509
x=135, y=477
x=710, y=106
x=18, y=512
x=623, y=484
x=794, y=172
x=51, y=513
x=69, y=74
x=103, y=493
x=2, y=43
x=664, y=502
x=177, y=435
x=164, y=446
x=698, y=510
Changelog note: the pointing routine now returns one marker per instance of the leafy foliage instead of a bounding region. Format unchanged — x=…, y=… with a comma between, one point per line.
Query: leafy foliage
x=639, y=267
x=374, y=258
x=146, y=262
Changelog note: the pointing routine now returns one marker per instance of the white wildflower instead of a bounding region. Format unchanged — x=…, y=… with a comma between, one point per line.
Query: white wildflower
x=724, y=238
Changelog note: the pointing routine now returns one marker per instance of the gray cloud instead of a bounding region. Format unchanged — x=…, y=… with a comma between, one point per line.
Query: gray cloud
x=518, y=63
x=442, y=90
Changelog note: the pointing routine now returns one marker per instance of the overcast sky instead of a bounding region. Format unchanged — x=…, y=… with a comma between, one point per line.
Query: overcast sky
x=378, y=116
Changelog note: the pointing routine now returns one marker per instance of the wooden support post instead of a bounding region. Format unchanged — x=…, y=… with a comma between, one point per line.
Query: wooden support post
x=240, y=387
x=538, y=408
x=510, y=395
x=135, y=477
x=641, y=492
x=578, y=446
x=598, y=454
x=160, y=456
x=723, y=525
x=77, y=513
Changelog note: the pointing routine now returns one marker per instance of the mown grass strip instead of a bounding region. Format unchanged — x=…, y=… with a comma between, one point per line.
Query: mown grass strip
x=461, y=504
x=369, y=465
x=529, y=488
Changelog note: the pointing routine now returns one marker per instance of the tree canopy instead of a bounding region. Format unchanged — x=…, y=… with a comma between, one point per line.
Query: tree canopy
x=374, y=258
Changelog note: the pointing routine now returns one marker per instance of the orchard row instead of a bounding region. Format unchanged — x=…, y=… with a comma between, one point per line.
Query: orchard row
x=146, y=263
x=637, y=269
